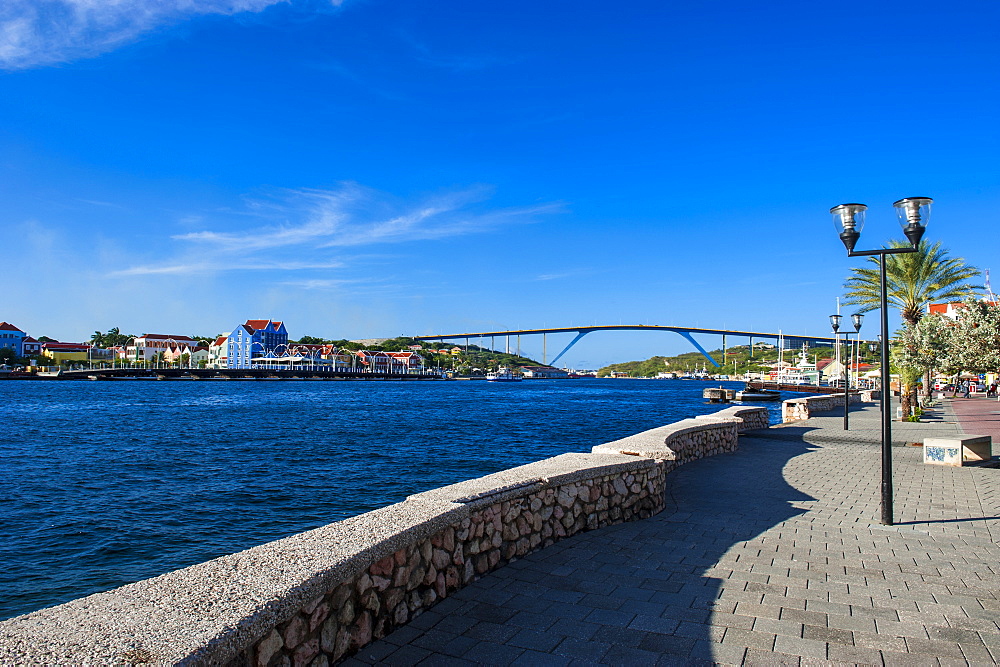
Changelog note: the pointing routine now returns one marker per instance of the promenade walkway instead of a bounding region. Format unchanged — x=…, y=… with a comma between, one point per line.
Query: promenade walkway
x=770, y=555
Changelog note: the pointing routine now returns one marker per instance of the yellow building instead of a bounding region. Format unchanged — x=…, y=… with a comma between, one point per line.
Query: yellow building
x=60, y=352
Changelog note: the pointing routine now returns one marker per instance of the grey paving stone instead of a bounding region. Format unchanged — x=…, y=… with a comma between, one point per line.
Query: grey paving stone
x=668, y=644
x=757, y=657
x=809, y=648
x=490, y=653
x=829, y=635
x=777, y=627
x=535, y=640
x=894, y=659
x=458, y=646
x=406, y=655
x=626, y=655
x=536, y=658
x=857, y=655
x=814, y=618
x=763, y=641
x=609, y=617
x=568, y=627
x=941, y=649
x=446, y=661
x=375, y=652
x=491, y=632
x=581, y=648
x=433, y=640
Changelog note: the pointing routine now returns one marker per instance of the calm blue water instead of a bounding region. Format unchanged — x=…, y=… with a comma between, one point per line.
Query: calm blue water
x=106, y=483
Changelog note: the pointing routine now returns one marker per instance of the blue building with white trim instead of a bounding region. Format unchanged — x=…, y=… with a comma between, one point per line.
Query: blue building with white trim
x=13, y=338
x=254, y=339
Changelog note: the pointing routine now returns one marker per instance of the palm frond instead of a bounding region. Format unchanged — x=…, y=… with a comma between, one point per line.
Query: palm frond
x=913, y=280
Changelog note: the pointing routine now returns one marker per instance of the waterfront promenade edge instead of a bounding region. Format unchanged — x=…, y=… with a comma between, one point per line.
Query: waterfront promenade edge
x=772, y=554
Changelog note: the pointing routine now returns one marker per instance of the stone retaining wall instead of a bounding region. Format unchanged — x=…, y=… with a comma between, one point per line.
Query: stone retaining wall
x=319, y=596
x=796, y=409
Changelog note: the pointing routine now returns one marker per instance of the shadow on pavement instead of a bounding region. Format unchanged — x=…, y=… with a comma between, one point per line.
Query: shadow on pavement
x=637, y=593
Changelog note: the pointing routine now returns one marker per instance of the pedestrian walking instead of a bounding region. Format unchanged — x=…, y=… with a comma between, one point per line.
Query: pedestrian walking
x=966, y=388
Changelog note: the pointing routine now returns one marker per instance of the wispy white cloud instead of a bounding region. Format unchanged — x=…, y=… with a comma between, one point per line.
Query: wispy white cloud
x=45, y=32
x=308, y=230
x=195, y=268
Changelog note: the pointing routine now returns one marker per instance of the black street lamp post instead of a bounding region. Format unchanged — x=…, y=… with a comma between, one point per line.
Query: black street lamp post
x=849, y=219
x=856, y=319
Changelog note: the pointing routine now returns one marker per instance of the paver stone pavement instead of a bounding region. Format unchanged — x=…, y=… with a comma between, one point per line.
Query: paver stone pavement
x=773, y=554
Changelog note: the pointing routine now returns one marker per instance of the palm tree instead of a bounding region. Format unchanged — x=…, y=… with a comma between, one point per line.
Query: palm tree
x=913, y=280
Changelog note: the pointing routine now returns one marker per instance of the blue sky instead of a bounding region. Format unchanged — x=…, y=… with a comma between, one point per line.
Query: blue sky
x=378, y=168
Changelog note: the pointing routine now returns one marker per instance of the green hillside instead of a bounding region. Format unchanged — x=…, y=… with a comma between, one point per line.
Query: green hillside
x=738, y=361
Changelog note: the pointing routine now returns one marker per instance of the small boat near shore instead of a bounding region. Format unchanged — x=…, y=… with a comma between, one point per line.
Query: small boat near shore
x=758, y=395
x=502, y=374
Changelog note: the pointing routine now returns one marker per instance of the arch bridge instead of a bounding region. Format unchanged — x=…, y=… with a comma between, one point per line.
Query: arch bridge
x=685, y=332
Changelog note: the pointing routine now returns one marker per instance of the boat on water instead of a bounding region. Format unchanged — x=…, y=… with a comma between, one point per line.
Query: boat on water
x=758, y=395
x=502, y=374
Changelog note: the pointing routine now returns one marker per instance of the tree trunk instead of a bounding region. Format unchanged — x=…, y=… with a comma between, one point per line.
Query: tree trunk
x=904, y=402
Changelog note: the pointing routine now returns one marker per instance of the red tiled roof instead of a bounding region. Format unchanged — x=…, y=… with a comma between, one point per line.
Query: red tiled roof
x=256, y=325
x=179, y=339
x=221, y=340
x=29, y=339
x=7, y=326
x=76, y=347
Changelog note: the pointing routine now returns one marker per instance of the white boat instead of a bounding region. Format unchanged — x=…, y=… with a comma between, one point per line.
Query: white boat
x=502, y=374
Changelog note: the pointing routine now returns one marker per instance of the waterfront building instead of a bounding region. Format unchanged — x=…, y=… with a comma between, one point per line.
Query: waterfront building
x=148, y=346
x=325, y=355
x=951, y=310
x=389, y=362
x=30, y=347
x=547, y=372
x=406, y=362
x=12, y=338
x=62, y=352
x=255, y=338
x=217, y=355
x=195, y=355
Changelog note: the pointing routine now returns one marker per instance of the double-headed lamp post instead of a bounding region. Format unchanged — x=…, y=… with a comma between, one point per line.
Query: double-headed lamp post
x=849, y=219
x=856, y=320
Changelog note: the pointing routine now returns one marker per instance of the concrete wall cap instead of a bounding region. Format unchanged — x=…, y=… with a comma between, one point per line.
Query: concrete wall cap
x=208, y=613
x=524, y=480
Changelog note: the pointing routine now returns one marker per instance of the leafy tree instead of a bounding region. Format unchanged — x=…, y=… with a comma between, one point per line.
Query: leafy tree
x=46, y=339
x=974, y=339
x=913, y=280
x=312, y=340
x=7, y=355
x=917, y=350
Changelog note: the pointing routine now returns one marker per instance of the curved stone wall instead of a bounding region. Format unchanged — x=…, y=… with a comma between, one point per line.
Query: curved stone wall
x=323, y=594
x=797, y=409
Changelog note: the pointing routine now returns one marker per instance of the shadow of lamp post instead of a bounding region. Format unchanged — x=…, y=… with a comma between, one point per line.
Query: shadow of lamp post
x=849, y=219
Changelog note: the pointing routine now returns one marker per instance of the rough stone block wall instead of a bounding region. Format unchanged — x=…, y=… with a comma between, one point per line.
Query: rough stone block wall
x=400, y=586
x=797, y=409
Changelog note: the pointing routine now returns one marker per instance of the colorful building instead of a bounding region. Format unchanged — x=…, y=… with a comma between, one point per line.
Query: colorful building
x=63, y=352
x=148, y=346
x=253, y=339
x=12, y=338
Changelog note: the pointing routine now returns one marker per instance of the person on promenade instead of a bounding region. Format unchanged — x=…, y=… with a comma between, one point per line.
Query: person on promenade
x=966, y=388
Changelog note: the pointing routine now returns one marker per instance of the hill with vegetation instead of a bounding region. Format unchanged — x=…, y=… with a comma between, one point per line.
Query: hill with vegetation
x=738, y=360
x=471, y=360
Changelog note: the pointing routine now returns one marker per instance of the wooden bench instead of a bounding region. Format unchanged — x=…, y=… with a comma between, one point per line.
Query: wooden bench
x=958, y=449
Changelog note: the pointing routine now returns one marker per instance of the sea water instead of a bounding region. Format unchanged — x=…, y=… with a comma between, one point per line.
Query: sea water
x=106, y=483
